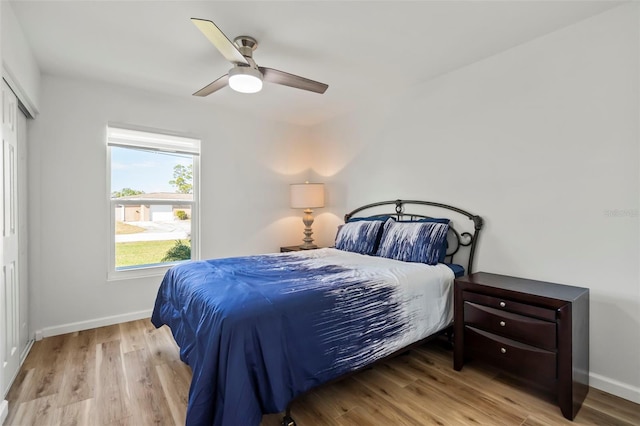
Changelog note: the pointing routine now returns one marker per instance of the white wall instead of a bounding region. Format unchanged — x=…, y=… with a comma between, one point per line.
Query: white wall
x=542, y=141
x=246, y=167
x=20, y=67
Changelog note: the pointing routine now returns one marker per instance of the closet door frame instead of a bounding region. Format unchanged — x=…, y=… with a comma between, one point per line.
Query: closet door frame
x=26, y=337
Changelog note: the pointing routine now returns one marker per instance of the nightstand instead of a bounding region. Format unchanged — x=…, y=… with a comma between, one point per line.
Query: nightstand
x=534, y=329
x=294, y=248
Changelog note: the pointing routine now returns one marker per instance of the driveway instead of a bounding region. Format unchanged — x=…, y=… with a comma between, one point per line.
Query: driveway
x=158, y=231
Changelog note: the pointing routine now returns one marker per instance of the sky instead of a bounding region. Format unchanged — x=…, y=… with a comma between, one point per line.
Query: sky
x=148, y=171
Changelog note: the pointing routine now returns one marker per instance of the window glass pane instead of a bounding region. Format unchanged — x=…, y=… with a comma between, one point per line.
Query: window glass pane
x=138, y=171
x=153, y=224
x=145, y=243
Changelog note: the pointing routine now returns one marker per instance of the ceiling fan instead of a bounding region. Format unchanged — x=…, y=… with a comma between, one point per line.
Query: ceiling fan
x=246, y=76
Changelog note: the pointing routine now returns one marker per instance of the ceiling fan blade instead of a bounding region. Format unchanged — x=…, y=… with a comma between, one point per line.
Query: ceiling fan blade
x=213, y=87
x=220, y=41
x=286, y=79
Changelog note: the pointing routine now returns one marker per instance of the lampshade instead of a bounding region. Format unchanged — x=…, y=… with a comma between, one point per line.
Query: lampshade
x=245, y=79
x=307, y=195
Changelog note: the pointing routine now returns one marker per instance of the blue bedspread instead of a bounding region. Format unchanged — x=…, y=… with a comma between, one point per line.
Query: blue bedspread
x=258, y=331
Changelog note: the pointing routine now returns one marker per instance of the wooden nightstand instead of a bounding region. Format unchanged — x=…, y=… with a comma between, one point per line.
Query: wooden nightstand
x=294, y=248
x=534, y=329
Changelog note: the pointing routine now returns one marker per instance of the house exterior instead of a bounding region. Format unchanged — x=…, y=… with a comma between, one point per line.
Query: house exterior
x=149, y=210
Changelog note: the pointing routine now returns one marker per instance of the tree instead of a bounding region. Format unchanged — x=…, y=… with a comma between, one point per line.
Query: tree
x=125, y=192
x=182, y=178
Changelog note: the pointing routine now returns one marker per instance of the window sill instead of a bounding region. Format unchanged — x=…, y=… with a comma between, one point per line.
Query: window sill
x=140, y=272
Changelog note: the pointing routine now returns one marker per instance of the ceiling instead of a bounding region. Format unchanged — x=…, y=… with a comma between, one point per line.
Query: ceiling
x=364, y=50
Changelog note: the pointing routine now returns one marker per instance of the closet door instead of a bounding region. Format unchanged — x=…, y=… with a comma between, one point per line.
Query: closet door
x=10, y=361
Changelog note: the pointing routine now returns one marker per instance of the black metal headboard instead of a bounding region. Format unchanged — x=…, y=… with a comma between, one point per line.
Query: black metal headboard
x=455, y=239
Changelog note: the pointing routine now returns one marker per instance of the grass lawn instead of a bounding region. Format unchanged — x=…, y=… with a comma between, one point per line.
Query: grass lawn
x=142, y=252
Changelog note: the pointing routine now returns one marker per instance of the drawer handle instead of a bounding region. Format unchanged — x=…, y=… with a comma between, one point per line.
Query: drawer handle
x=503, y=350
x=502, y=323
x=502, y=304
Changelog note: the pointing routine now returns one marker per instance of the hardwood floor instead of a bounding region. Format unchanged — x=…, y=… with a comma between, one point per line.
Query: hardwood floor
x=131, y=374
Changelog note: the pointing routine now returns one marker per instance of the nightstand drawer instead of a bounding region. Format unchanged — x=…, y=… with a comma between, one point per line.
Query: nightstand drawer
x=527, y=361
x=519, y=327
x=511, y=306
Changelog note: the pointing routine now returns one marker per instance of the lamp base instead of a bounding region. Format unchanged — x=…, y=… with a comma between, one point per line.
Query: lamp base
x=307, y=219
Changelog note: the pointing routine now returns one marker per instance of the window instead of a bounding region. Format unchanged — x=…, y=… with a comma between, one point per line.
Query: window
x=153, y=196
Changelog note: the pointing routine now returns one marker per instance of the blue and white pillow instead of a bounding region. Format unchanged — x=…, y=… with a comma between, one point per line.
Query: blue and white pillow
x=360, y=236
x=423, y=241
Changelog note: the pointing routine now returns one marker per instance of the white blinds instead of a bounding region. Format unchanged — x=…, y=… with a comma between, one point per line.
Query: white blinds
x=118, y=136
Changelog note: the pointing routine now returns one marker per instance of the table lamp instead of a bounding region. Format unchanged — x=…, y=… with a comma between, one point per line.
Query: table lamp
x=307, y=196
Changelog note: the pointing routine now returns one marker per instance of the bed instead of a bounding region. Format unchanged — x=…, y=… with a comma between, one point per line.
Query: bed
x=259, y=331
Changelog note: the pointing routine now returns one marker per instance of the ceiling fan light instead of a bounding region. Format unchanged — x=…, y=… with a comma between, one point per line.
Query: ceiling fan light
x=245, y=79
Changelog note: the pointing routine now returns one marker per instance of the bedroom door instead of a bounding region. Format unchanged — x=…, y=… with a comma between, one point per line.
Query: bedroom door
x=10, y=293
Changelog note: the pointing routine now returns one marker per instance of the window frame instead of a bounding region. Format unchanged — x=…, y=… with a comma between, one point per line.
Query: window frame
x=163, y=137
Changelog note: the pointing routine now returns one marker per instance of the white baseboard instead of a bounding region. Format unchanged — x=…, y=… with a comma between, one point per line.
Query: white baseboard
x=89, y=324
x=4, y=411
x=614, y=387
